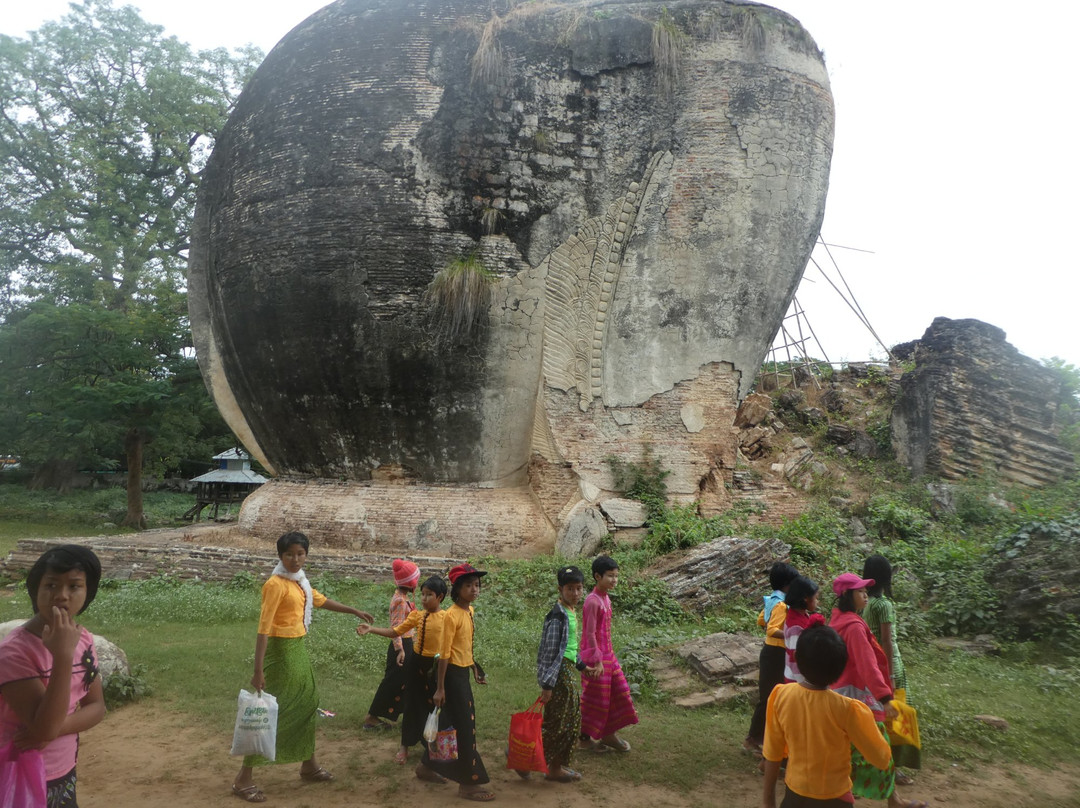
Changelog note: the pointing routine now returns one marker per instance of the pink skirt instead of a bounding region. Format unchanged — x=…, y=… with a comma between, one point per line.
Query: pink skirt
x=606, y=706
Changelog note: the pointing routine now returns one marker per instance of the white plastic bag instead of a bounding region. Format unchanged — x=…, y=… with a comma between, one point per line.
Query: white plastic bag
x=431, y=727
x=255, y=732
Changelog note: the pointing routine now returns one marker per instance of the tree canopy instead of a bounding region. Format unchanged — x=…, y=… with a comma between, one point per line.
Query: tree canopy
x=105, y=125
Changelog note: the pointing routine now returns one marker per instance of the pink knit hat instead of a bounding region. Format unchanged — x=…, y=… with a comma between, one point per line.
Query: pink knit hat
x=406, y=573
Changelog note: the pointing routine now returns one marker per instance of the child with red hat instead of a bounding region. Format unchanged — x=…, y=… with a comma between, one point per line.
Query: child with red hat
x=389, y=701
x=453, y=691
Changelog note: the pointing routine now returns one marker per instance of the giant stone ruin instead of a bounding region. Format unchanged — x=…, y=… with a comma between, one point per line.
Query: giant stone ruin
x=642, y=184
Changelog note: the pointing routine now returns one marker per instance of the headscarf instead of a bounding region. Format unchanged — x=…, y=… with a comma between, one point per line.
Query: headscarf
x=64, y=558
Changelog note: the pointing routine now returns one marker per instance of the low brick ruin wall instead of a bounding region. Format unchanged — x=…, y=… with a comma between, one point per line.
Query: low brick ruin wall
x=139, y=557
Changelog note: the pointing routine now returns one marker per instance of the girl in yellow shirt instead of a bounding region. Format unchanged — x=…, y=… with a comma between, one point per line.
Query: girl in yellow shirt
x=282, y=665
x=454, y=693
x=426, y=624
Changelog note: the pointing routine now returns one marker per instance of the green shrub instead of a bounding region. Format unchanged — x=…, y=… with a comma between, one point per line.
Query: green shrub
x=814, y=536
x=122, y=688
x=962, y=599
x=893, y=518
x=643, y=481
x=680, y=527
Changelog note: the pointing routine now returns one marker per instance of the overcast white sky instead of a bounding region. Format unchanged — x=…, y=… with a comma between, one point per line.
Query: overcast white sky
x=954, y=169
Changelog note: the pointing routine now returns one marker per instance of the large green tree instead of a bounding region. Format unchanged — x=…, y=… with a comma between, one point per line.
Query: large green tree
x=105, y=124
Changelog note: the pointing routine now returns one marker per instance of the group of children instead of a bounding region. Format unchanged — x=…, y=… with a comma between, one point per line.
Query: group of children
x=828, y=692
x=431, y=670
x=824, y=689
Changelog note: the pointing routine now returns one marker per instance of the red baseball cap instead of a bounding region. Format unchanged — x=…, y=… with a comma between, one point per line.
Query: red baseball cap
x=462, y=570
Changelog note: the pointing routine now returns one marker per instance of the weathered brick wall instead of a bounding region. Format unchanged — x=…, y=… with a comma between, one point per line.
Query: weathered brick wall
x=689, y=429
x=380, y=518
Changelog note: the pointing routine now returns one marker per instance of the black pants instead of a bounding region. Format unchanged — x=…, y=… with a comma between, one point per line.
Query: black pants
x=770, y=674
x=419, y=688
x=793, y=800
x=389, y=701
x=458, y=712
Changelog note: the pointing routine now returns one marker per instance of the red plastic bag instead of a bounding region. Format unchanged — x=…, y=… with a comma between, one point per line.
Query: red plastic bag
x=22, y=778
x=526, y=748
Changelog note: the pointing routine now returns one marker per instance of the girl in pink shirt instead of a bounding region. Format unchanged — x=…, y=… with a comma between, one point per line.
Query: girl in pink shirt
x=50, y=690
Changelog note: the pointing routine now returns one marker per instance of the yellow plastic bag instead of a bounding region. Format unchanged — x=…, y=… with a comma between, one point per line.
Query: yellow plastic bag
x=904, y=729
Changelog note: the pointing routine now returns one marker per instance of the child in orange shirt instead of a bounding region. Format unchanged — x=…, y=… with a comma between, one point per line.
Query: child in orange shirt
x=814, y=728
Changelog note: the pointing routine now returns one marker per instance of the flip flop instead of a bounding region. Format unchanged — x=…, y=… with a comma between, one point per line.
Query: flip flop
x=249, y=794
x=320, y=775
x=402, y=757
x=902, y=779
x=477, y=796
x=621, y=746
x=567, y=776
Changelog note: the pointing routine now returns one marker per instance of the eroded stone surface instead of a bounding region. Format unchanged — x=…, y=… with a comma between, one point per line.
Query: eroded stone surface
x=721, y=570
x=975, y=406
x=644, y=227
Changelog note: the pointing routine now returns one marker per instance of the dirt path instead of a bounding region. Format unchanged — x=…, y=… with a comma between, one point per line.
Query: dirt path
x=145, y=755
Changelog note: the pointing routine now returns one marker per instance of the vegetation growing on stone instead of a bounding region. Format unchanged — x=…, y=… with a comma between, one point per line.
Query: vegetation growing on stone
x=668, y=43
x=487, y=61
x=457, y=298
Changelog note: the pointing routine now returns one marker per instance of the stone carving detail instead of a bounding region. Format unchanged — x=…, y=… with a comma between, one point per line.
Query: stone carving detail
x=581, y=277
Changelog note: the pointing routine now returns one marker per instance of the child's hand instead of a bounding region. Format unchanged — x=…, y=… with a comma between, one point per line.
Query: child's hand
x=363, y=629
x=401, y=657
x=479, y=676
x=258, y=681
x=593, y=671
x=62, y=635
x=365, y=616
x=439, y=698
x=891, y=713
x=545, y=696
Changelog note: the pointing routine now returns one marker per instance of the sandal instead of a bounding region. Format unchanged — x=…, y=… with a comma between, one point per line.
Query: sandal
x=621, y=746
x=249, y=794
x=427, y=775
x=480, y=795
x=565, y=776
x=590, y=745
x=402, y=757
x=320, y=775
x=902, y=779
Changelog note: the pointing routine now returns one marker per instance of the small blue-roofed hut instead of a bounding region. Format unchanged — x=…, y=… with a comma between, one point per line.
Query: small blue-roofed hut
x=227, y=485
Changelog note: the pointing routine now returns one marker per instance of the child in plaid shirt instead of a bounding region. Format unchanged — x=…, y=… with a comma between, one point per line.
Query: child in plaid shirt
x=557, y=664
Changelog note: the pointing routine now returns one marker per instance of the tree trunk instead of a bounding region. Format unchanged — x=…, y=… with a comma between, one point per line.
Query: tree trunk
x=133, y=449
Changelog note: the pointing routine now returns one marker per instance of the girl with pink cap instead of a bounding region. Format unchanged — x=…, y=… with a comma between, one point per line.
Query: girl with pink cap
x=866, y=679
x=389, y=701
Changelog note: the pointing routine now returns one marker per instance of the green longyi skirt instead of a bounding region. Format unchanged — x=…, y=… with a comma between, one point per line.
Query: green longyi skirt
x=290, y=679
